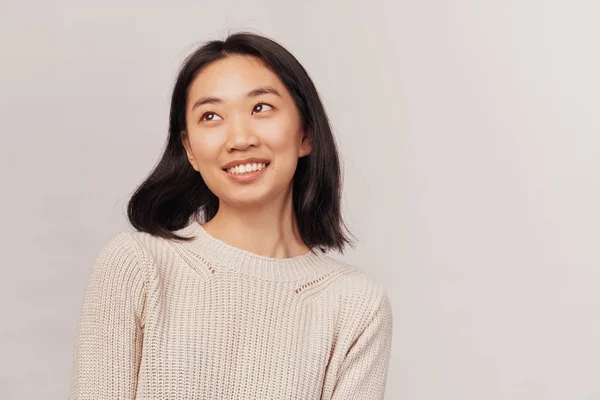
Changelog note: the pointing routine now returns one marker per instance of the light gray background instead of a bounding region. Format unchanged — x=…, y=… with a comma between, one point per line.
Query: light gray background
x=470, y=139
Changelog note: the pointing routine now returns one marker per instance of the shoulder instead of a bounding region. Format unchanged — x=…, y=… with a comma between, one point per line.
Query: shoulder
x=144, y=247
x=151, y=253
x=125, y=256
x=119, y=278
x=358, y=293
x=355, y=283
x=123, y=247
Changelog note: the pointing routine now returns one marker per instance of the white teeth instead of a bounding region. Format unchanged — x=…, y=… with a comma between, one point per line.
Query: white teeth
x=240, y=169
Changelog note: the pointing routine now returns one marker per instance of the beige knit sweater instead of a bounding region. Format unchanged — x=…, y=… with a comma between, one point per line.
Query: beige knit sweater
x=207, y=320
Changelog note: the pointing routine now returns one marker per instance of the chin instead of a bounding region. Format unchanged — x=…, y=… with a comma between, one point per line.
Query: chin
x=246, y=195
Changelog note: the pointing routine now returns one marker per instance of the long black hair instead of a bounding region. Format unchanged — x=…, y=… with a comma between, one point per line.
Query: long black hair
x=173, y=191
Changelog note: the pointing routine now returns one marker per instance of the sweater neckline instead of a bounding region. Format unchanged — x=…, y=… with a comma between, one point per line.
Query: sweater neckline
x=221, y=253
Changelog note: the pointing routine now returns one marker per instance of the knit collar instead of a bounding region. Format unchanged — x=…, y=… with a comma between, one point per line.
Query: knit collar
x=220, y=253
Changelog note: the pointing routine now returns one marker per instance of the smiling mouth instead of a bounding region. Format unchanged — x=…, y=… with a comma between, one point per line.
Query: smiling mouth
x=260, y=167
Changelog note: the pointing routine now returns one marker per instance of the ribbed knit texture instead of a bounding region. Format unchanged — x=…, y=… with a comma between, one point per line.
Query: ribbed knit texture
x=206, y=320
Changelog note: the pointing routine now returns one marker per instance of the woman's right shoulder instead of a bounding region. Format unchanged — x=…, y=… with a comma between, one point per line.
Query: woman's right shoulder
x=126, y=248
x=147, y=249
x=118, y=280
x=120, y=246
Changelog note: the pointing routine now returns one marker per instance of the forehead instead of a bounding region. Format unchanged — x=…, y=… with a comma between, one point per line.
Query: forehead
x=232, y=77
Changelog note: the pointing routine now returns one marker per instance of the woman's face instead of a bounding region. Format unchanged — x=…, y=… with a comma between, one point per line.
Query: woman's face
x=237, y=109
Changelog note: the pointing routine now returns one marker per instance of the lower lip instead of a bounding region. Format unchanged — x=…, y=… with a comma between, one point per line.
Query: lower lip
x=246, y=176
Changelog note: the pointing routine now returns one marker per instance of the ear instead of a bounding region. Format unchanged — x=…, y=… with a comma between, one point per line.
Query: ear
x=185, y=140
x=305, y=145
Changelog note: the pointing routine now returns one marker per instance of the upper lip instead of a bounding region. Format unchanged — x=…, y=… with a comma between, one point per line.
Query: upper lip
x=244, y=161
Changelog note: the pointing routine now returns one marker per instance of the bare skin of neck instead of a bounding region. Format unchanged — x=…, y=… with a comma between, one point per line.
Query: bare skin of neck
x=264, y=230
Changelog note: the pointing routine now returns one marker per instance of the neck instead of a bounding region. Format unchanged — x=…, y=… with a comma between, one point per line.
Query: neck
x=266, y=232
x=213, y=252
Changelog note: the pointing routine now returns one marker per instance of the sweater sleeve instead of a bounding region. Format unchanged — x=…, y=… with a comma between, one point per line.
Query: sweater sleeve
x=110, y=329
x=363, y=372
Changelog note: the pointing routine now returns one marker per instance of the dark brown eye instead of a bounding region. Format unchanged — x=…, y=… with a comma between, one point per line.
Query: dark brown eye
x=212, y=114
x=260, y=106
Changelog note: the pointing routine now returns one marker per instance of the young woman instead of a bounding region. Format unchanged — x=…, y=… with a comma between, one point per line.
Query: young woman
x=224, y=290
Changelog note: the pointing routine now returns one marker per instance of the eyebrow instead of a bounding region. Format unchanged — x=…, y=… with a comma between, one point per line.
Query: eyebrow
x=253, y=93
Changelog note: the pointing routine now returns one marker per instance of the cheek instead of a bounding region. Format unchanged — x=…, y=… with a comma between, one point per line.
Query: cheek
x=204, y=147
x=280, y=135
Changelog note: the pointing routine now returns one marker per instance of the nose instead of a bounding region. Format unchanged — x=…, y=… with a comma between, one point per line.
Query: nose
x=240, y=134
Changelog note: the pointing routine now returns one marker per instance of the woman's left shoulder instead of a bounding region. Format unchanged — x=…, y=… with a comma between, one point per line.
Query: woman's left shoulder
x=358, y=289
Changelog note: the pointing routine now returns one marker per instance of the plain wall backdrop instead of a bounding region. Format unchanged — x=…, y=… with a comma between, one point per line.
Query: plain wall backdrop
x=470, y=137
